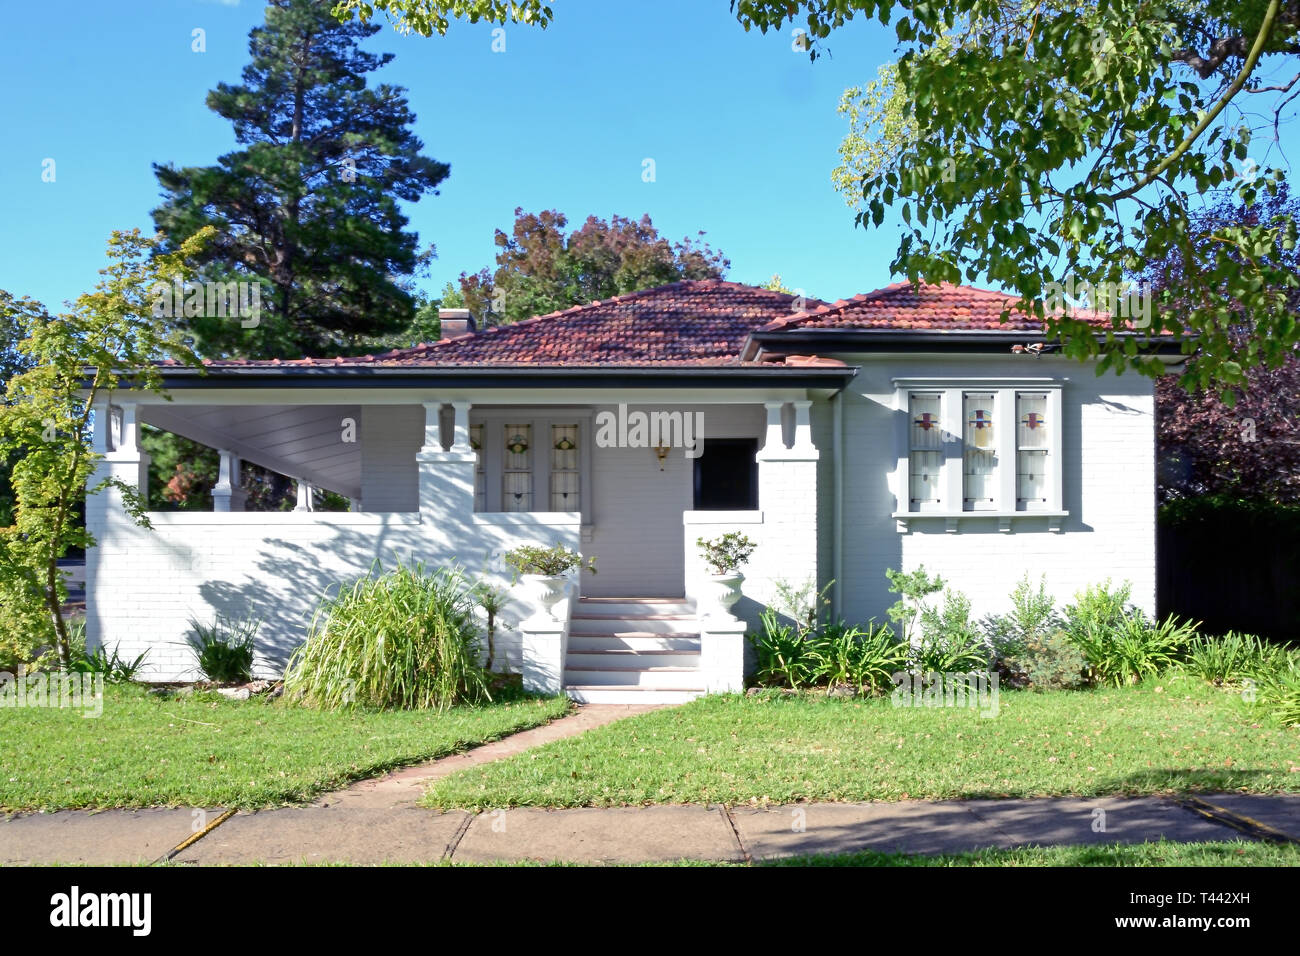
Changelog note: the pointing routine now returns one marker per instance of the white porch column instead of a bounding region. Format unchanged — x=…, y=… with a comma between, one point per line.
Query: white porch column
x=803, y=440
x=227, y=493
x=304, y=496
x=775, y=436
x=446, y=477
x=787, y=496
x=123, y=456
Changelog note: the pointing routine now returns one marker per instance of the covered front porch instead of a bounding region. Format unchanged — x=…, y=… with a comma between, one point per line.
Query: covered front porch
x=631, y=476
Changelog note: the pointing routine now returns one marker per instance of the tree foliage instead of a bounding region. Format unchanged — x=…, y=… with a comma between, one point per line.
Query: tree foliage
x=1044, y=143
x=1246, y=446
x=542, y=268
x=308, y=205
x=427, y=17
x=47, y=419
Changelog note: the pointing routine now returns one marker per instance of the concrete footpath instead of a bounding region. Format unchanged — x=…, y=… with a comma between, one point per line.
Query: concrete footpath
x=407, y=834
x=377, y=821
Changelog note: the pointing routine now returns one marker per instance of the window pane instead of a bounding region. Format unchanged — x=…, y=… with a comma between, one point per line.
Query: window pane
x=564, y=468
x=979, y=460
x=925, y=430
x=480, y=476
x=1032, y=442
x=1031, y=480
x=517, y=476
x=924, y=479
x=1031, y=420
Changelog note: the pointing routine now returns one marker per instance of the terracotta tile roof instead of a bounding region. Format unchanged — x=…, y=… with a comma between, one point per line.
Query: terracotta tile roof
x=902, y=306
x=700, y=322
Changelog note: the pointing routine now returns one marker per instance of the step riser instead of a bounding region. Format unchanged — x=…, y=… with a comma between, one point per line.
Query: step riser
x=580, y=662
x=664, y=680
x=632, y=609
x=586, y=644
x=632, y=696
x=581, y=625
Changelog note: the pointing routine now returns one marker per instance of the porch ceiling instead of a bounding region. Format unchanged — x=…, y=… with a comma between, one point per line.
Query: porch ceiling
x=301, y=441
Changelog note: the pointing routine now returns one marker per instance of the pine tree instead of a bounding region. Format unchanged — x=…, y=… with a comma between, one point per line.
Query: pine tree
x=308, y=205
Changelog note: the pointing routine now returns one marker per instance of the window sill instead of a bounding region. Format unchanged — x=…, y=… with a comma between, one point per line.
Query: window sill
x=1005, y=519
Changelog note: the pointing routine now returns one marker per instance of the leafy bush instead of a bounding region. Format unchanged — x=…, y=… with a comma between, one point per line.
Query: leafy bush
x=115, y=668
x=402, y=639
x=554, y=561
x=1132, y=650
x=1279, y=688
x=1032, y=616
x=1230, y=659
x=864, y=659
x=785, y=654
x=727, y=553
x=1100, y=608
x=1044, y=661
x=224, y=648
x=801, y=603
x=914, y=590
x=949, y=642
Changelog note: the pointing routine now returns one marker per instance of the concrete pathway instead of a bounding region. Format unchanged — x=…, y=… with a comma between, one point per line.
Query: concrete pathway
x=407, y=834
x=404, y=787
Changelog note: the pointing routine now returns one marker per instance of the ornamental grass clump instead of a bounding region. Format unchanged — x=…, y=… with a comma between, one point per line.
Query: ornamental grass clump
x=398, y=640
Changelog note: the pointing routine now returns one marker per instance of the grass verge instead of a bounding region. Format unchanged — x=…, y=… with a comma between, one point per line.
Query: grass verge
x=208, y=751
x=1178, y=735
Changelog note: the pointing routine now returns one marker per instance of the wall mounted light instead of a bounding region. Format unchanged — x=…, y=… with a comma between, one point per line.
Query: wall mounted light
x=661, y=452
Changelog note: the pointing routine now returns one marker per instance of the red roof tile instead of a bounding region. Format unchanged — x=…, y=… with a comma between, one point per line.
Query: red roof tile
x=902, y=306
x=694, y=322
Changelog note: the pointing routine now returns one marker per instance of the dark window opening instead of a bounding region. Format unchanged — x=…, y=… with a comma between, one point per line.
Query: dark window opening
x=726, y=475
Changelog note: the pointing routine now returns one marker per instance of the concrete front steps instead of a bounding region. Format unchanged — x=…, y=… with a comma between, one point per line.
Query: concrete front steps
x=633, y=651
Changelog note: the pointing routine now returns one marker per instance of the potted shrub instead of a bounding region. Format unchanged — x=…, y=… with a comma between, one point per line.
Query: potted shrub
x=547, y=570
x=724, y=556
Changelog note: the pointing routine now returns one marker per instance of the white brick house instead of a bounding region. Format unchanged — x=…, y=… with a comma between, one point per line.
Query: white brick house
x=886, y=431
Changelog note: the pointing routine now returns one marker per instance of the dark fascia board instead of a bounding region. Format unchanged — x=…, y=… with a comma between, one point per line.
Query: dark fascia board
x=507, y=377
x=831, y=341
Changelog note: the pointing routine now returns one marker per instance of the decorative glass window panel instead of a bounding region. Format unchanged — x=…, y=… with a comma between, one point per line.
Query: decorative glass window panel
x=480, y=475
x=517, y=472
x=979, y=457
x=1032, y=442
x=925, y=448
x=565, y=485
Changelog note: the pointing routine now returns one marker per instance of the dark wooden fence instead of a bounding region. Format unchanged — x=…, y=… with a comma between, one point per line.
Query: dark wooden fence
x=1231, y=565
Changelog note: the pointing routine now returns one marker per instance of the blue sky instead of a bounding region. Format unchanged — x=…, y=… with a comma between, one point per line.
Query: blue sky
x=742, y=129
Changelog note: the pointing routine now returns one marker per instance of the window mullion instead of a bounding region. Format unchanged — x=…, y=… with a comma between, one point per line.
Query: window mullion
x=1005, y=415
x=951, y=412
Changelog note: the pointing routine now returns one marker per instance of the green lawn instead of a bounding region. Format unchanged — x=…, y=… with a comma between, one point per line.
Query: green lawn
x=205, y=751
x=1176, y=735
x=1164, y=853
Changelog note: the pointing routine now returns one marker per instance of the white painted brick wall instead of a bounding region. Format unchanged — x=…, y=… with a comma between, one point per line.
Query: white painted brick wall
x=1109, y=490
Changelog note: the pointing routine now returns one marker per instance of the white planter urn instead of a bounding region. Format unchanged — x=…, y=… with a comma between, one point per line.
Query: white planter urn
x=549, y=590
x=724, y=592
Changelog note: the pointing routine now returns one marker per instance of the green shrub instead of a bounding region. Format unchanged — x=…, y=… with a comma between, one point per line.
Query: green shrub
x=115, y=668
x=1279, y=688
x=1033, y=616
x=402, y=639
x=1132, y=650
x=1045, y=661
x=950, y=642
x=727, y=553
x=786, y=654
x=224, y=648
x=1100, y=608
x=864, y=659
x=554, y=561
x=1232, y=658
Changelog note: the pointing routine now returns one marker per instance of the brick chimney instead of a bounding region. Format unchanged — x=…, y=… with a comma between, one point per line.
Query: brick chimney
x=455, y=323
